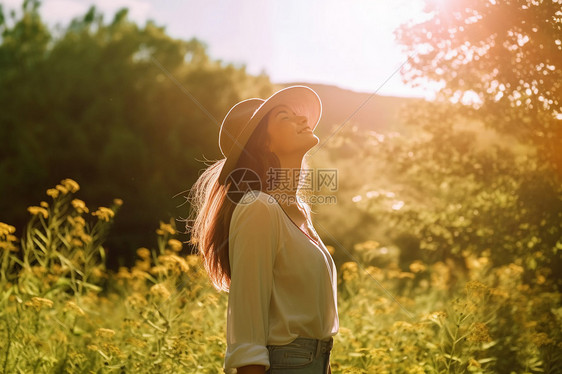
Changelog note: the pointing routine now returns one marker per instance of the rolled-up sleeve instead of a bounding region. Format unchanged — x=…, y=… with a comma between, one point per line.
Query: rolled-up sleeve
x=253, y=245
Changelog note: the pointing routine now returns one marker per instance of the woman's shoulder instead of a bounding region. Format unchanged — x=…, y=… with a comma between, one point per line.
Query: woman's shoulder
x=256, y=216
x=257, y=195
x=256, y=202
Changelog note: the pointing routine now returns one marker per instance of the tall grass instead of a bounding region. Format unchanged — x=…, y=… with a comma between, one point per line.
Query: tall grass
x=62, y=311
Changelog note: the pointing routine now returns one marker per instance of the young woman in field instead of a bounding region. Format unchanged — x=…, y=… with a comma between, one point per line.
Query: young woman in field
x=254, y=231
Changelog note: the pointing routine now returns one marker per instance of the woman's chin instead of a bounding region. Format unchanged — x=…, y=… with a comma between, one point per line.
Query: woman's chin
x=312, y=142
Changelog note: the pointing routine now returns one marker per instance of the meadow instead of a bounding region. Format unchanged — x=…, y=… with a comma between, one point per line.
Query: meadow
x=63, y=311
x=446, y=233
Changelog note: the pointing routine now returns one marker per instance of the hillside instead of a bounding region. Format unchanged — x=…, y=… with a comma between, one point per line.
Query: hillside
x=380, y=113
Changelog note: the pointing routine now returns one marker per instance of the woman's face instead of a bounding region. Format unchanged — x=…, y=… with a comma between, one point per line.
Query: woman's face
x=289, y=134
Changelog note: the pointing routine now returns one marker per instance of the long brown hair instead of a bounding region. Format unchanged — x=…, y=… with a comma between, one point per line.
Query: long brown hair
x=213, y=204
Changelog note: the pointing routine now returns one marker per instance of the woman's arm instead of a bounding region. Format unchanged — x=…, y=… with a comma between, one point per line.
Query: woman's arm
x=251, y=369
x=253, y=244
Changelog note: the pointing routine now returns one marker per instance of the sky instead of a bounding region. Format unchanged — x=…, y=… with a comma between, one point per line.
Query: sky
x=347, y=43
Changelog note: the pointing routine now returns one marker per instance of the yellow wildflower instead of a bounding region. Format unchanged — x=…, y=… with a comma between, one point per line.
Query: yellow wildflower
x=62, y=189
x=393, y=273
x=414, y=369
x=38, y=270
x=160, y=290
x=406, y=326
x=376, y=273
x=131, y=323
x=8, y=246
x=406, y=274
x=39, y=303
x=58, y=269
x=36, y=210
x=349, y=266
x=500, y=292
x=112, y=349
x=92, y=347
x=365, y=246
x=483, y=260
x=331, y=249
x=142, y=265
x=175, y=245
x=530, y=324
x=143, y=253
x=136, y=299
x=105, y=333
x=80, y=221
x=44, y=204
x=53, y=192
x=181, y=343
x=436, y=317
x=174, y=262
x=70, y=185
x=6, y=229
x=477, y=289
x=139, y=274
x=104, y=214
x=417, y=266
x=80, y=206
x=99, y=272
x=123, y=273
x=479, y=333
x=192, y=260
x=349, y=270
x=541, y=338
x=516, y=269
x=118, y=202
x=136, y=342
x=159, y=270
x=60, y=337
x=85, y=238
x=541, y=279
x=165, y=228
x=75, y=308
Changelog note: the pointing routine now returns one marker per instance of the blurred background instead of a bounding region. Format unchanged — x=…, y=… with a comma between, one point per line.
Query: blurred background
x=443, y=118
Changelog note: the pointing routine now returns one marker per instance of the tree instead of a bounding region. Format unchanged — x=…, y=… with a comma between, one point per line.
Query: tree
x=105, y=103
x=507, y=53
x=505, y=56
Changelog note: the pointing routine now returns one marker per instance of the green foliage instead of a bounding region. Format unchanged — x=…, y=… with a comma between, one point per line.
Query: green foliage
x=503, y=52
x=110, y=104
x=481, y=178
x=62, y=311
x=454, y=191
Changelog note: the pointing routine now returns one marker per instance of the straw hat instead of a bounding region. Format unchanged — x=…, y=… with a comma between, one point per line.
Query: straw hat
x=243, y=118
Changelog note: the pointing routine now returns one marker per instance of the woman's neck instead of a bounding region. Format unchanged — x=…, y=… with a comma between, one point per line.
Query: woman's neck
x=287, y=178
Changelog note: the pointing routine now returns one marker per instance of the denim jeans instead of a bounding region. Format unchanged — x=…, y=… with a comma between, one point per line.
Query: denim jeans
x=301, y=356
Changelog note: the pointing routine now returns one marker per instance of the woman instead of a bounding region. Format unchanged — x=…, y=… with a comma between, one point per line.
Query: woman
x=255, y=234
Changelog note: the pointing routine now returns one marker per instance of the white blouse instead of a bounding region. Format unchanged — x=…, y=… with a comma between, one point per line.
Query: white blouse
x=283, y=284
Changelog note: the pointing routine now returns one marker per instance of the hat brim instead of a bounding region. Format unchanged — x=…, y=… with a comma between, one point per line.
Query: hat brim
x=301, y=99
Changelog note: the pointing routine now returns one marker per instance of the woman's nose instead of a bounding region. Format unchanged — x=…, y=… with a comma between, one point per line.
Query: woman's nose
x=302, y=119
